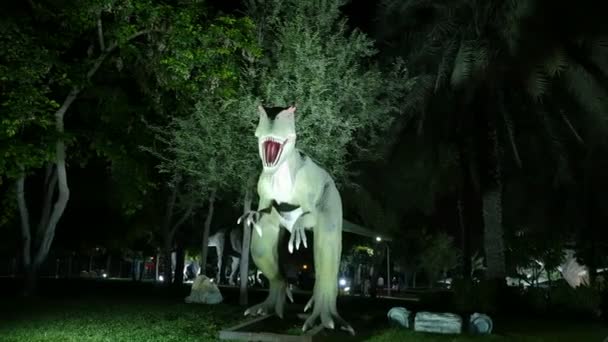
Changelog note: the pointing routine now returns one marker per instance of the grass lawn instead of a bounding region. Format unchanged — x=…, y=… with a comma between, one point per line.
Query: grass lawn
x=88, y=316
x=168, y=320
x=116, y=320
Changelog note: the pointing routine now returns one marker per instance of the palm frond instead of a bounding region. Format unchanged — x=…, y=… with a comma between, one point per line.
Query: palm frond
x=447, y=63
x=555, y=63
x=464, y=63
x=571, y=128
x=588, y=94
x=481, y=59
x=417, y=99
x=538, y=83
x=598, y=53
x=513, y=13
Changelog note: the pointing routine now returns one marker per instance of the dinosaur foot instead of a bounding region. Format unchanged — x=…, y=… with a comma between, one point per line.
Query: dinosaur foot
x=274, y=302
x=324, y=310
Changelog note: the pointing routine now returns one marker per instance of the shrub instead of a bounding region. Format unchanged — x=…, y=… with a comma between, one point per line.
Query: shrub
x=472, y=296
x=582, y=301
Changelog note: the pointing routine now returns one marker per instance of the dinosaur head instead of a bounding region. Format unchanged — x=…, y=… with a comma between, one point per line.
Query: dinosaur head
x=276, y=135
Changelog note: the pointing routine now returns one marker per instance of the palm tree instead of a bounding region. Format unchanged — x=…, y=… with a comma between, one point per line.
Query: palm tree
x=507, y=65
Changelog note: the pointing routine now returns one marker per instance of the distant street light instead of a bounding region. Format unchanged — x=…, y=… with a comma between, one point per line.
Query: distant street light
x=388, y=265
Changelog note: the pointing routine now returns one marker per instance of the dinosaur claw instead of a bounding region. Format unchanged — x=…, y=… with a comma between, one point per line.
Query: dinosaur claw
x=349, y=329
x=308, y=305
x=289, y=294
x=247, y=312
x=258, y=229
x=331, y=325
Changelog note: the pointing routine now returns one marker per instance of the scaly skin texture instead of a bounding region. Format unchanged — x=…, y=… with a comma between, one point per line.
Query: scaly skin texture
x=296, y=182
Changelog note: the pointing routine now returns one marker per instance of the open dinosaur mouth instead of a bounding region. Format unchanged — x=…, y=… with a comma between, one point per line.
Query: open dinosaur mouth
x=272, y=149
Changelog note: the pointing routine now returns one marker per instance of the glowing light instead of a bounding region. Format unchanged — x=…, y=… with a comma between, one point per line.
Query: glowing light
x=378, y=238
x=347, y=288
x=305, y=267
x=161, y=278
x=342, y=281
x=105, y=275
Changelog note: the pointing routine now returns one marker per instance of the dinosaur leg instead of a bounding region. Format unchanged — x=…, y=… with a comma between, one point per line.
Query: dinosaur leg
x=219, y=248
x=233, y=269
x=327, y=250
x=265, y=253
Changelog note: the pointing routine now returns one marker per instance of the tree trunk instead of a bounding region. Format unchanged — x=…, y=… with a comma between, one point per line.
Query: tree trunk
x=157, y=265
x=26, y=236
x=69, y=274
x=178, y=280
x=492, y=211
x=31, y=279
x=134, y=270
x=465, y=243
x=414, y=274
x=588, y=232
x=108, y=264
x=206, y=229
x=167, y=266
x=244, y=267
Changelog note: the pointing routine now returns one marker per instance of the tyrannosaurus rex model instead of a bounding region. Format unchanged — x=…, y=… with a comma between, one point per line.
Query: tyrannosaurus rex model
x=297, y=194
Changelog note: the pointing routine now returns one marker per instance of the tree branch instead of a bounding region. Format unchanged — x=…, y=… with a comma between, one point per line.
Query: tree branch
x=62, y=199
x=25, y=220
x=169, y=213
x=102, y=44
x=111, y=49
x=49, y=192
x=182, y=219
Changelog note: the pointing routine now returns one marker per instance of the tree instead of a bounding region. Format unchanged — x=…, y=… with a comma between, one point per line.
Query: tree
x=200, y=142
x=312, y=59
x=439, y=256
x=36, y=79
x=40, y=69
x=483, y=53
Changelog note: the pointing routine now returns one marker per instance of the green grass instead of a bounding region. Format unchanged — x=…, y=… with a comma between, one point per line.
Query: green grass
x=106, y=320
x=153, y=319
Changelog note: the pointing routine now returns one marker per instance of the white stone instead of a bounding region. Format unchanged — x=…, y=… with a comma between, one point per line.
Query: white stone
x=442, y=323
x=400, y=316
x=204, y=292
x=480, y=324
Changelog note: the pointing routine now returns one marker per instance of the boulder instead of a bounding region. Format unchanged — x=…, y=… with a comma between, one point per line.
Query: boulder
x=401, y=317
x=204, y=292
x=442, y=323
x=480, y=324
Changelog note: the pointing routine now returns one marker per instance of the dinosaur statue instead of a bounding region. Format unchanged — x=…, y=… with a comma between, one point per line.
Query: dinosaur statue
x=218, y=240
x=234, y=250
x=296, y=194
